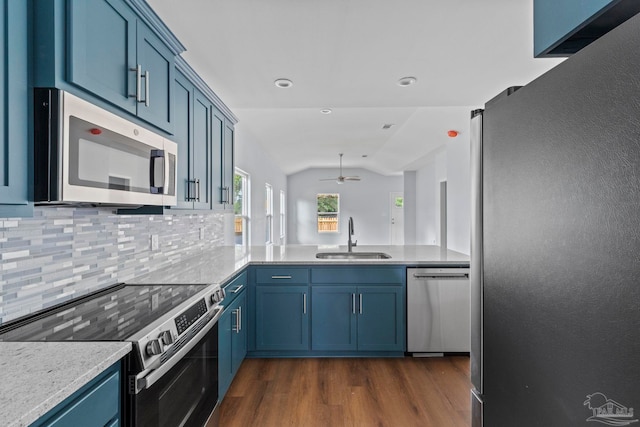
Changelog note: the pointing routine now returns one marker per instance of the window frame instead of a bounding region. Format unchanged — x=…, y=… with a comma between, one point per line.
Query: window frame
x=335, y=230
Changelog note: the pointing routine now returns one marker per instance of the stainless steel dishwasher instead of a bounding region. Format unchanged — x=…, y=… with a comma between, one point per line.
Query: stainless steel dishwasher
x=437, y=311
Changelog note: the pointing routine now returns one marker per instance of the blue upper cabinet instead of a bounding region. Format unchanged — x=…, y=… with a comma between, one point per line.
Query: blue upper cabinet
x=183, y=131
x=14, y=115
x=562, y=28
x=157, y=64
x=102, y=52
x=110, y=49
x=222, y=134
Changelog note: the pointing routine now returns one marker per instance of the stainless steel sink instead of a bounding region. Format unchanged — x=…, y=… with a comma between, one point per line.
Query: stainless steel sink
x=352, y=255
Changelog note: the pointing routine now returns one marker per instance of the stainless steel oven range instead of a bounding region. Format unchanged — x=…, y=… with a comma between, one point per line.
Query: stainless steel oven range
x=171, y=376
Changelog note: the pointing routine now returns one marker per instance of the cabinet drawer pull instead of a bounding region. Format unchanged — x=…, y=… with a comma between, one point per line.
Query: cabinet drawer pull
x=360, y=303
x=353, y=303
x=236, y=290
x=281, y=277
x=304, y=303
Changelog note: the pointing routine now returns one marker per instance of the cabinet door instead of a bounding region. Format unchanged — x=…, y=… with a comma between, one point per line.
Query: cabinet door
x=14, y=140
x=217, y=143
x=282, y=319
x=102, y=50
x=239, y=337
x=157, y=63
x=225, y=374
x=182, y=108
x=380, y=318
x=227, y=165
x=201, y=149
x=334, y=318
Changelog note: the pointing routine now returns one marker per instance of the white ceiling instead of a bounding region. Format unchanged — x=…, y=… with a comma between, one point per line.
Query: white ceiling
x=347, y=55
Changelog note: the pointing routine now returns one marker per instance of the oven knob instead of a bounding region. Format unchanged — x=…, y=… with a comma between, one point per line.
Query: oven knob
x=154, y=348
x=166, y=337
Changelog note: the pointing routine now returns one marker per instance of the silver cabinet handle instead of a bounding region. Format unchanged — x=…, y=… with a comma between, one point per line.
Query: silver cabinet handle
x=236, y=328
x=304, y=303
x=193, y=183
x=228, y=195
x=360, y=303
x=353, y=303
x=441, y=276
x=146, y=88
x=281, y=277
x=138, y=70
x=236, y=290
x=240, y=319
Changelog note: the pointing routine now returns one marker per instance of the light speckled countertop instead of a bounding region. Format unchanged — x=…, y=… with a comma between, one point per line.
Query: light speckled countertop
x=219, y=264
x=36, y=376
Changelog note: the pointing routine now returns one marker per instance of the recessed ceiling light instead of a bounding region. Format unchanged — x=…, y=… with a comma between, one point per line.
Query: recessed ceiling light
x=407, y=81
x=326, y=111
x=283, y=83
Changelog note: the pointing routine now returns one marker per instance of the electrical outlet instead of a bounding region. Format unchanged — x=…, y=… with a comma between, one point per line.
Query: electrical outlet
x=201, y=233
x=155, y=244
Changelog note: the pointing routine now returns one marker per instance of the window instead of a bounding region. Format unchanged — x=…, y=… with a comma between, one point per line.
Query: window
x=268, y=211
x=241, y=207
x=283, y=218
x=328, y=212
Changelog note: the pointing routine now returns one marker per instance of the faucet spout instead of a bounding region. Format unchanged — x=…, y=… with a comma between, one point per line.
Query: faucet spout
x=350, y=243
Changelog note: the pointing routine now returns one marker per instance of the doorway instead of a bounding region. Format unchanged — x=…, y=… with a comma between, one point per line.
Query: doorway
x=396, y=232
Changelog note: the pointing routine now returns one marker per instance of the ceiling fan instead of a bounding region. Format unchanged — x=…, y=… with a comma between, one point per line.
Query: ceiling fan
x=341, y=178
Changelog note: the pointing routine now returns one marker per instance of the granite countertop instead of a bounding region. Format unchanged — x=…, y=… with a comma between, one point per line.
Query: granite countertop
x=36, y=376
x=219, y=264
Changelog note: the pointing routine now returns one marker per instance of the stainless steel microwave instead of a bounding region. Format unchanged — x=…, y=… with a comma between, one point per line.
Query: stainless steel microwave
x=85, y=154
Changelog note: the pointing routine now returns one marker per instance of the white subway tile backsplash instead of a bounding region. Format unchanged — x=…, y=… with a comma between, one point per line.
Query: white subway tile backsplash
x=62, y=253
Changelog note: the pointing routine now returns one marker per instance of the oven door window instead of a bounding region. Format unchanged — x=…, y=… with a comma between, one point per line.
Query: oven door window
x=186, y=395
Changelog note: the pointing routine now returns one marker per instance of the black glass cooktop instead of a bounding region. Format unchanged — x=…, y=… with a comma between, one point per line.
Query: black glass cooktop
x=108, y=316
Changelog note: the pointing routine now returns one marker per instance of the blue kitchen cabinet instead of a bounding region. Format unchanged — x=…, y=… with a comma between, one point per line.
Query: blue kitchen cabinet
x=335, y=319
x=109, y=51
x=192, y=111
x=15, y=166
x=358, y=308
x=281, y=317
x=232, y=333
x=183, y=136
x=562, y=28
x=97, y=404
x=222, y=144
x=362, y=318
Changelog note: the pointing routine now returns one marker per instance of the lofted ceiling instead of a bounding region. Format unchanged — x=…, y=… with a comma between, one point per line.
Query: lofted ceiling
x=347, y=55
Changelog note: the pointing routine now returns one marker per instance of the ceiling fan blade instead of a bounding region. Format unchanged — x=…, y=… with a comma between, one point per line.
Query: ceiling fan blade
x=328, y=179
x=351, y=178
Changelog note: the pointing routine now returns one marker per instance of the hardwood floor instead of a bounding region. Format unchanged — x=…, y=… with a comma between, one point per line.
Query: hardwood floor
x=425, y=392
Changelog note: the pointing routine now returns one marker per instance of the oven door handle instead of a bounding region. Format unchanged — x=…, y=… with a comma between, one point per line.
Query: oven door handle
x=156, y=374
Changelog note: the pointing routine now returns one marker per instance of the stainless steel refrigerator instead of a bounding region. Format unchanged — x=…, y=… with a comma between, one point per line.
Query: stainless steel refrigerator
x=555, y=251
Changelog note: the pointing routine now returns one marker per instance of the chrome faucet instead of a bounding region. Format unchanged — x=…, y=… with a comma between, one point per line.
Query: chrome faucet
x=351, y=244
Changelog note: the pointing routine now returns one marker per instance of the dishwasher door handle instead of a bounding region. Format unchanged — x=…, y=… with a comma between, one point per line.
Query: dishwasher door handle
x=441, y=276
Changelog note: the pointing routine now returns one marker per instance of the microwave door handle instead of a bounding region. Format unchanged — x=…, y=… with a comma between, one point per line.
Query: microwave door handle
x=157, y=163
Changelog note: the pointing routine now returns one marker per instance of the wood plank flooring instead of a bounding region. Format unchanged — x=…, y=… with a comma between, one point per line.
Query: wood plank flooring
x=425, y=392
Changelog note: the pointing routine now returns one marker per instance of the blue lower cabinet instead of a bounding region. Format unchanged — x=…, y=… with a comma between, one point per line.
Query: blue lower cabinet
x=282, y=317
x=232, y=342
x=381, y=318
x=334, y=325
x=97, y=404
x=362, y=318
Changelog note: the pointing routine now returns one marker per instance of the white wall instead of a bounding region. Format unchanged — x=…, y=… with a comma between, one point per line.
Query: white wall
x=251, y=158
x=367, y=201
x=449, y=163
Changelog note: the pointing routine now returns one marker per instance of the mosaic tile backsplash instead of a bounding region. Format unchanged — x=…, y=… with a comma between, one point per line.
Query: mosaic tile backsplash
x=62, y=253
